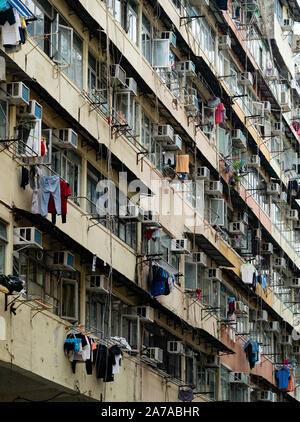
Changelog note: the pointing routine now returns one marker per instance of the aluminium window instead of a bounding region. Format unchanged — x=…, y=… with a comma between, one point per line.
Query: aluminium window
x=3, y=243
x=146, y=39
x=67, y=164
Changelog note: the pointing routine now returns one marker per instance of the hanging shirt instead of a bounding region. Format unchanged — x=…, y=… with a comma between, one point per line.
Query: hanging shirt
x=283, y=375
x=182, y=163
x=116, y=366
x=247, y=271
x=219, y=117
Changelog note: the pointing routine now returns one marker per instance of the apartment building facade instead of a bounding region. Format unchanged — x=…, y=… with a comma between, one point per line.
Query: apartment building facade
x=174, y=125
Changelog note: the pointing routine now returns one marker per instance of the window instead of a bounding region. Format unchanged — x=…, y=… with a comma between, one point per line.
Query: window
x=3, y=242
x=146, y=39
x=3, y=119
x=192, y=274
x=93, y=178
x=225, y=385
x=94, y=79
x=131, y=21
x=224, y=143
x=69, y=303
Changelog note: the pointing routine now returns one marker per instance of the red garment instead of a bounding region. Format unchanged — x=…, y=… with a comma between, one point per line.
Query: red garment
x=198, y=291
x=43, y=149
x=65, y=192
x=219, y=113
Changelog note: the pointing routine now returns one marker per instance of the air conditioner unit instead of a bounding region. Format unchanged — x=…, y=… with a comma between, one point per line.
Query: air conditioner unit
x=28, y=236
x=296, y=225
x=17, y=93
x=131, y=85
x=155, y=354
x=287, y=25
x=31, y=111
x=212, y=361
x=241, y=216
x=187, y=68
x=267, y=248
x=240, y=307
x=279, y=263
x=163, y=133
x=169, y=35
x=284, y=101
x=260, y=315
x=295, y=283
x=292, y=215
x=296, y=350
x=180, y=246
x=266, y=396
x=175, y=347
x=237, y=227
x=296, y=113
x=200, y=258
x=273, y=327
x=273, y=189
x=149, y=218
x=254, y=161
x=61, y=260
x=118, y=74
x=257, y=234
x=130, y=212
x=97, y=283
x=267, y=107
x=238, y=378
x=271, y=74
x=191, y=102
x=213, y=274
x=296, y=43
x=146, y=313
x=245, y=78
x=238, y=139
x=175, y=145
x=286, y=340
x=276, y=128
x=224, y=42
x=214, y=188
x=203, y=173
x=65, y=138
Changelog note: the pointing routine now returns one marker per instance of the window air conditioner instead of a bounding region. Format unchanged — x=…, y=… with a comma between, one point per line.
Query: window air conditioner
x=97, y=283
x=61, y=260
x=286, y=340
x=296, y=43
x=191, y=102
x=279, y=263
x=238, y=378
x=65, y=138
x=187, y=68
x=175, y=145
x=296, y=350
x=267, y=107
x=254, y=161
x=273, y=327
x=118, y=74
x=214, y=274
x=163, y=133
x=149, y=218
x=200, y=258
x=292, y=215
x=266, y=396
x=212, y=361
x=224, y=42
x=257, y=234
x=284, y=101
x=28, y=236
x=245, y=78
x=241, y=216
x=131, y=86
x=267, y=248
x=296, y=113
x=287, y=25
x=169, y=35
x=261, y=315
x=214, y=188
x=17, y=93
x=203, y=173
x=175, y=347
x=238, y=139
x=31, y=111
x=295, y=283
x=146, y=313
x=296, y=225
x=155, y=354
x=273, y=189
x=180, y=246
x=240, y=307
x=237, y=227
x=130, y=212
x=271, y=74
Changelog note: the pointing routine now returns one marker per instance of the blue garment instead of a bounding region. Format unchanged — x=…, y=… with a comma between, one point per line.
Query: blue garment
x=50, y=184
x=4, y=5
x=251, y=350
x=263, y=281
x=283, y=376
x=7, y=16
x=21, y=8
